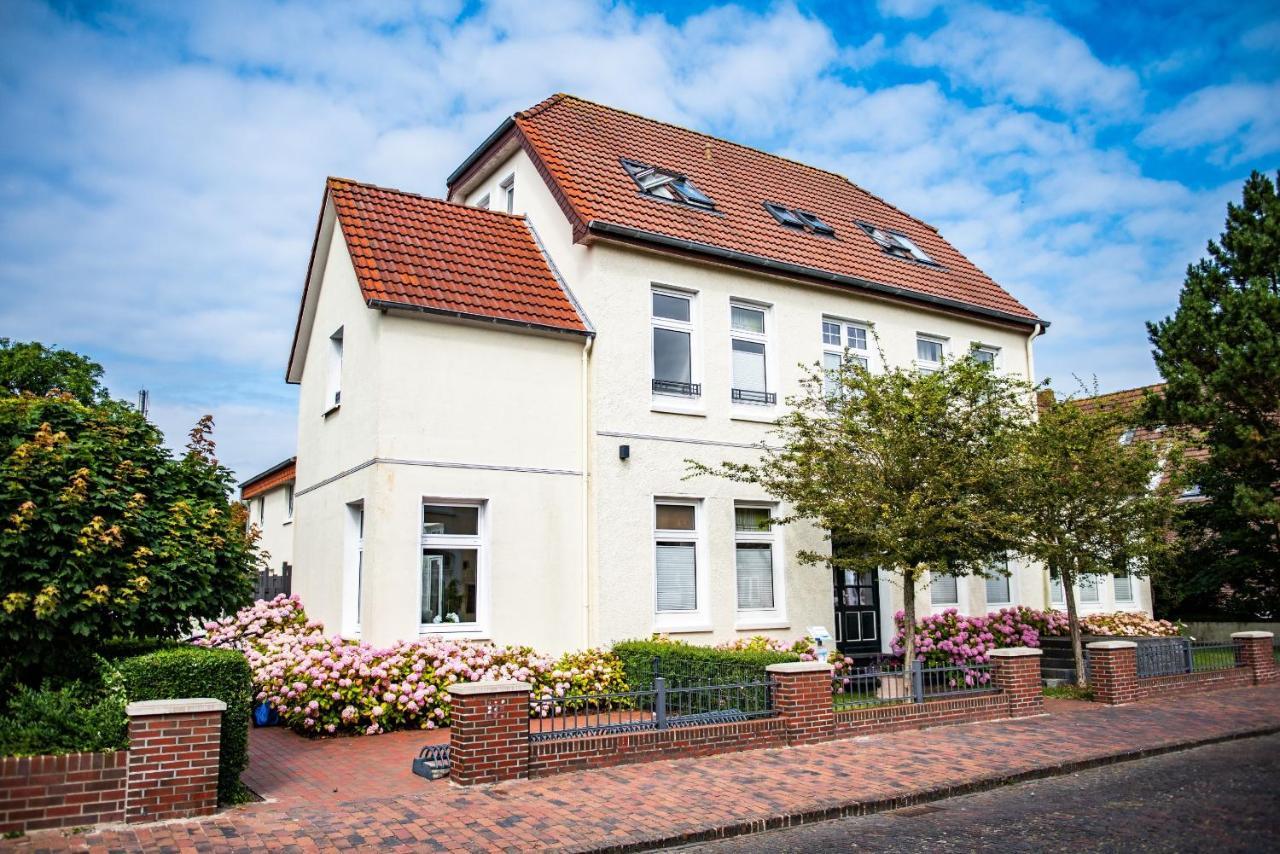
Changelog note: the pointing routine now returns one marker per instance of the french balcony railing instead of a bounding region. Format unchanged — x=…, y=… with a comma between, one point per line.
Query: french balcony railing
x=762, y=398
x=677, y=388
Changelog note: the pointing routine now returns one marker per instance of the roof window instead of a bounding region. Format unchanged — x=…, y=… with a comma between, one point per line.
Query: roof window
x=667, y=185
x=803, y=220
x=896, y=244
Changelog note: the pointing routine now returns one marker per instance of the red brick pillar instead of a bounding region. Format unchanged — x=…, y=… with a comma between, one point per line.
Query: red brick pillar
x=173, y=758
x=489, y=733
x=1113, y=671
x=1253, y=650
x=802, y=697
x=1017, y=675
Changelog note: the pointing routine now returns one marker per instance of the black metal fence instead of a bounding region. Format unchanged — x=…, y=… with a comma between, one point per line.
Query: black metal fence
x=269, y=585
x=679, y=696
x=880, y=684
x=1176, y=656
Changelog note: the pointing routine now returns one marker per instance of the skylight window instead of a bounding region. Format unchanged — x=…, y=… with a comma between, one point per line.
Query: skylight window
x=896, y=244
x=665, y=184
x=803, y=220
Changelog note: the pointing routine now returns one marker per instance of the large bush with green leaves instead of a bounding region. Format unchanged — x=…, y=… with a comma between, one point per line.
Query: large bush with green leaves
x=189, y=671
x=681, y=662
x=105, y=533
x=76, y=717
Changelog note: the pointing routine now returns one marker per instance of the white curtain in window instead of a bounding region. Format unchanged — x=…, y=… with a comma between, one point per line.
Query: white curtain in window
x=998, y=589
x=748, y=366
x=1124, y=587
x=755, y=576
x=677, y=577
x=942, y=590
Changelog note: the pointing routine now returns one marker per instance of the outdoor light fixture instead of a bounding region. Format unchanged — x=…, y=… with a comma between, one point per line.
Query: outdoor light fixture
x=624, y=452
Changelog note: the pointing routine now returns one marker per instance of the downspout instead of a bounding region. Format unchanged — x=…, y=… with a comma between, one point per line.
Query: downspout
x=1031, y=362
x=588, y=593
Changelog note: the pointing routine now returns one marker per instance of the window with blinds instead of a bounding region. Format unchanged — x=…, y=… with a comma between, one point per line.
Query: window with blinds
x=1123, y=582
x=943, y=590
x=749, y=341
x=676, y=556
x=753, y=555
x=1056, y=593
x=1087, y=590
x=842, y=341
x=998, y=590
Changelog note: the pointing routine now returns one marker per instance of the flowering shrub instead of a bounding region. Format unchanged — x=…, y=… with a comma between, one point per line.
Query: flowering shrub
x=953, y=638
x=1123, y=624
x=327, y=684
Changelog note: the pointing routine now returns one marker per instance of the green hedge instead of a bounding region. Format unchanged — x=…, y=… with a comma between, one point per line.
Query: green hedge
x=75, y=717
x=190, y=671
x=683, y=663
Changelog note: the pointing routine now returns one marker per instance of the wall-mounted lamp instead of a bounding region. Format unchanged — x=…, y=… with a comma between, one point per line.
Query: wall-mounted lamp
x=624, y=452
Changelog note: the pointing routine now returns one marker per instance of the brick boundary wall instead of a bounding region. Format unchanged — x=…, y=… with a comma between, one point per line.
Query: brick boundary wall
x=556, y=756
x=170, y=770
x=1113, y=671
x=40, y=792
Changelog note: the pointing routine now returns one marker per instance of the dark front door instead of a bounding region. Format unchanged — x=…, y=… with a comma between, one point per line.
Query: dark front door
x=857, y=612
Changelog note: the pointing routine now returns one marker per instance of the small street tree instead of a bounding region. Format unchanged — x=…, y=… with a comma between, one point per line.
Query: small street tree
x=910, y=471
x=105, y=533
x=1088, y=501
x=1219, y=354
x=31, y=366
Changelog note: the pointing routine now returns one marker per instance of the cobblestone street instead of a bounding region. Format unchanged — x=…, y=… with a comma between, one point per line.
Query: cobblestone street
x=1220, y=798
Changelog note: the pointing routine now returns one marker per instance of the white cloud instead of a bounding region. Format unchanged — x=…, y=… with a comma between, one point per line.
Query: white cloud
x=1030, y=60
x=907, y=9
x=1233, y=122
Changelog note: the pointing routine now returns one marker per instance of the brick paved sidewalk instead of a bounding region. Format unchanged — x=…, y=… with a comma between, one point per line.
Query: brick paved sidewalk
x=686, y=799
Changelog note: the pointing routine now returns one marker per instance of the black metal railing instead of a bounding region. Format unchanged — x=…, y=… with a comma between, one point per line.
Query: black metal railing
x=880, y=684
x=674, y=387
x=685, y=698
x=764, y=398
x=1176, y=656
x=269, y=585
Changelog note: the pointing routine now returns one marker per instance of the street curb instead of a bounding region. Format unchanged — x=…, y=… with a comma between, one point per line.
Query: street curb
x=924, y=796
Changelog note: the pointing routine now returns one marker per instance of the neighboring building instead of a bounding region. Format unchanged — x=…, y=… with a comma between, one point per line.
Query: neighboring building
x=499, y=392
x=268, y=496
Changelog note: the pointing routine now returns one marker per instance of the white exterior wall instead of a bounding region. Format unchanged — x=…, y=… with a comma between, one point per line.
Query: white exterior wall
x=275, y=527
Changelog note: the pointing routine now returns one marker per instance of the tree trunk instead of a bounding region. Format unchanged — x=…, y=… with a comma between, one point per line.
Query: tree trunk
x=1068, y=577
x=908, y=623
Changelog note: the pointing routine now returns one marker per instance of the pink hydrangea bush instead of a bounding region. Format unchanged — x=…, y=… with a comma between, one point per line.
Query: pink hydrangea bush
x=326, y=685
x=1126, y=624
x=951, y=638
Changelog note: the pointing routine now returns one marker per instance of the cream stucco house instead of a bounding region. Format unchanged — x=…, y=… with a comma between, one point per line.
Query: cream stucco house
x=499, y=391
x=268, y=497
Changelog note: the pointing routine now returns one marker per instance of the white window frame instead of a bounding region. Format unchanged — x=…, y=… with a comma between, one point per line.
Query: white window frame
x=669, y=399
x=762, y=618
x=842, y=349
x=770, y=382
x=930, y=367
x=288, y=503
x=480, y=541
x=697, y=620
x=262, y=510
x=508, y=188
x=1090, y=582
x=1009, y=585
x=1057, y=592
x=942, y=606
x=988, y=348
x=353, y=569
x=1132, y=600
x=333, y=384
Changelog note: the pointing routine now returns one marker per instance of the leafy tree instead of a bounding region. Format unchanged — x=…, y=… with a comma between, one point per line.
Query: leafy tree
x=105, y=533
x=31, y=366
x=910, y=471
x=1089, y=506
x=1220, y=357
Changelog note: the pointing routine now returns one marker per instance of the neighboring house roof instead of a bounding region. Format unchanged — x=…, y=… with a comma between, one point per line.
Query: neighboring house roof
x=413, y=252
x=578, y=146
x=278, y=475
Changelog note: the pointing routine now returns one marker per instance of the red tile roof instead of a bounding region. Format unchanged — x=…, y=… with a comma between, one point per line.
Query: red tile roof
x=438, y=256
x=577, y=144
x=278, y=475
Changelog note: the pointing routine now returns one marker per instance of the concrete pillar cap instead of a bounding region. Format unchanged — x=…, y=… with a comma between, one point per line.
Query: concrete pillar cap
x=1015, y=652
x=188, y=706
x=1111, y=645
x=471, y=689
x=1249, y=635
x=799, y=667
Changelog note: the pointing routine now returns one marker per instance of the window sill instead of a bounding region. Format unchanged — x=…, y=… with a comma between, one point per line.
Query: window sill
x=763, y=415
x=750, y=625
x=677, y=409
x=332, y=410
x=681, y=628
x=471, y=631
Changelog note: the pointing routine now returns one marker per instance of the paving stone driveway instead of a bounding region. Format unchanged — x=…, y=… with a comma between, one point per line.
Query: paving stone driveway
x=690, y=799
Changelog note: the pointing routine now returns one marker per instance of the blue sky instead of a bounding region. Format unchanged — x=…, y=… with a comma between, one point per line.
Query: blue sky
x=161, y=165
